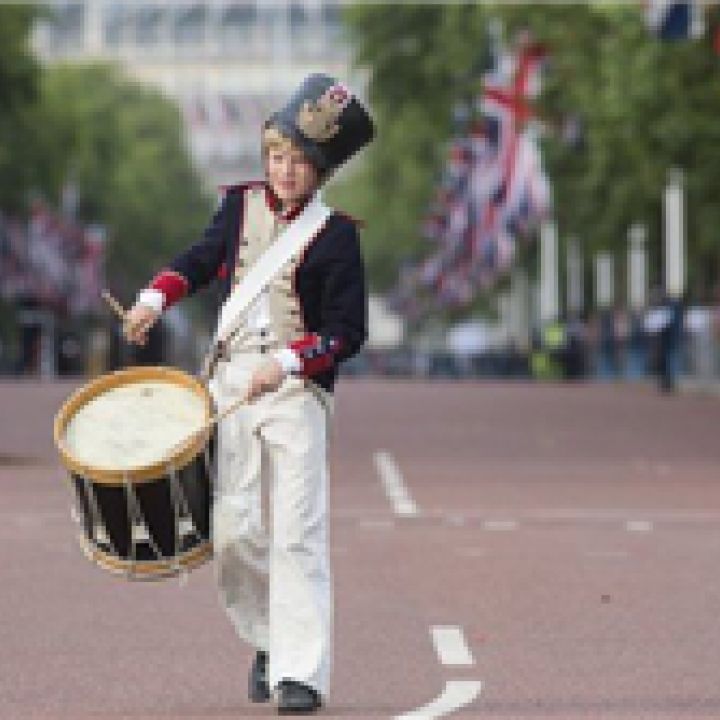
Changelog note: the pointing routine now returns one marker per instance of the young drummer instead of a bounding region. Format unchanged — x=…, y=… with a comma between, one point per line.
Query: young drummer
x=275, y=582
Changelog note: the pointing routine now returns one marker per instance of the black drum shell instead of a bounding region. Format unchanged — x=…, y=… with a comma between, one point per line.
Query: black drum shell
x=155, y=502
x=107, y=499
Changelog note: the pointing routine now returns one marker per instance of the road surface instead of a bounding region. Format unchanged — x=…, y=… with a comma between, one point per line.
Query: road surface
x=498, y=551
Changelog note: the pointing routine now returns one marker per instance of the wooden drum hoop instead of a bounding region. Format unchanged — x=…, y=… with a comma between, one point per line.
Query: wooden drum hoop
x=98, y=480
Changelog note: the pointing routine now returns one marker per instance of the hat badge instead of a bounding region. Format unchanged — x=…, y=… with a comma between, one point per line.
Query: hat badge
x=318, y=120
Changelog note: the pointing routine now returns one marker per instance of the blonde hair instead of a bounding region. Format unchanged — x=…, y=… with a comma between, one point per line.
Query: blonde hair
x=274, y=139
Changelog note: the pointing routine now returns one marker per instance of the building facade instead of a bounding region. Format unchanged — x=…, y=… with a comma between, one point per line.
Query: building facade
x=227, y=63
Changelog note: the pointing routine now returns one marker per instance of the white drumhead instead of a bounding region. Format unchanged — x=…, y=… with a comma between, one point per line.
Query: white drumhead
x=134, y=425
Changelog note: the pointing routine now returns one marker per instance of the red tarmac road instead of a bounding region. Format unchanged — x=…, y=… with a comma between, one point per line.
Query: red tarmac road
x=570, y=534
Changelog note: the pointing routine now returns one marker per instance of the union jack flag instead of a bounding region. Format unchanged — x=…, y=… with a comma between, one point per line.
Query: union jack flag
x=493, y=188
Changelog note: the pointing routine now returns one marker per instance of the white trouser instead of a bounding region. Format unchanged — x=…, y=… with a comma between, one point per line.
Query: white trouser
x=275, y=583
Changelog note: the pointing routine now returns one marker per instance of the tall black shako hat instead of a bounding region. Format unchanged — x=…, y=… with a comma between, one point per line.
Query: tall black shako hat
x=325, y=120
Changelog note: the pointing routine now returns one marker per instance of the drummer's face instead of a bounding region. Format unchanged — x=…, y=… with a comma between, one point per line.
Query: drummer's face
x=290, y=174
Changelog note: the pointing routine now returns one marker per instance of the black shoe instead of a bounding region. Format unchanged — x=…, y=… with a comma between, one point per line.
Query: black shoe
x=258, y=685
x=296, y=697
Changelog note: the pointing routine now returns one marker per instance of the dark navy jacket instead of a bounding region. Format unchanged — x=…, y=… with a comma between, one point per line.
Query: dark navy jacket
x=329, y=280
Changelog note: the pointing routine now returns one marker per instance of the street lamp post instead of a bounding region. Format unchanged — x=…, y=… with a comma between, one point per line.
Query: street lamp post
x=604, y=300
x=550, y=360
x=671, y=334
x=575, y=335
x=637, y=300
x=548, y=274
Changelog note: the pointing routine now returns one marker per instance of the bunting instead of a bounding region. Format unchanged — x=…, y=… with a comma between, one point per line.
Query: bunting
x=492, y=190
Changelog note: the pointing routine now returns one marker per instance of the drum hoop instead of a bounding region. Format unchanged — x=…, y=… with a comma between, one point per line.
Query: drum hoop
x=146, y=569
x=182, y=456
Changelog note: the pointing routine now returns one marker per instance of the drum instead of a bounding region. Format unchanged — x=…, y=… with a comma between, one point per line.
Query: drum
x=140, y=465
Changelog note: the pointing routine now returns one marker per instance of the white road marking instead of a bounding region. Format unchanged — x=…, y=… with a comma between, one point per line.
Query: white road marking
x=638, y=526
x=471, y=551
x=382, y=524
x=450, y=645
x=452, y=650
x=394, y=484
x=500, y=524
x=455, y=695
x=610, y=515
x=604, y=514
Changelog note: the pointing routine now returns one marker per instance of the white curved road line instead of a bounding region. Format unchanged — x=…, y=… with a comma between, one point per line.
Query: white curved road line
x=457, y=694
x=450, y=645
x=394, y=484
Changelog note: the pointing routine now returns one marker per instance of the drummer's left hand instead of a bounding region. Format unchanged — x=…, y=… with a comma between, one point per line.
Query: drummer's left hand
x=266, y=378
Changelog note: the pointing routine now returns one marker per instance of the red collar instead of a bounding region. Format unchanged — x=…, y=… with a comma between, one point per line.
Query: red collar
x=273, y=202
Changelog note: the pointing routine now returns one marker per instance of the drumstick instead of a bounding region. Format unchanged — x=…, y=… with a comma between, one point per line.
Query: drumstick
x=114, y=304
x=230, y=408
x=214, y=420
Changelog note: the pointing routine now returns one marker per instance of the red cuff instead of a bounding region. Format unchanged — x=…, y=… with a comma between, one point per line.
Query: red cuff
x=172, y=284
x=316, y=353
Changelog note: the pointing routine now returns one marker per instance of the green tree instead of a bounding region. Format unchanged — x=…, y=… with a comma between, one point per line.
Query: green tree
x=19, y=76
x=122, y=144
x=646, y=106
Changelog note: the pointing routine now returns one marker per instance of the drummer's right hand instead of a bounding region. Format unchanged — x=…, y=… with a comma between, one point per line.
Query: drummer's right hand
x=138, y=320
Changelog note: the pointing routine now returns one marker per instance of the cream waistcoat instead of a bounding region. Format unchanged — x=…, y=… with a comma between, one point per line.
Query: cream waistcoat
x=278, y=307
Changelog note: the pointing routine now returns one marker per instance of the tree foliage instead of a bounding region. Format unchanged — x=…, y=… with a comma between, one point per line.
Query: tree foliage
x=120, y=142
x=646, y=106
x=19, y=77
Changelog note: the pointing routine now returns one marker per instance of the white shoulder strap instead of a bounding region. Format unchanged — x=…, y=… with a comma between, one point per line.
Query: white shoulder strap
x=290, y=242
